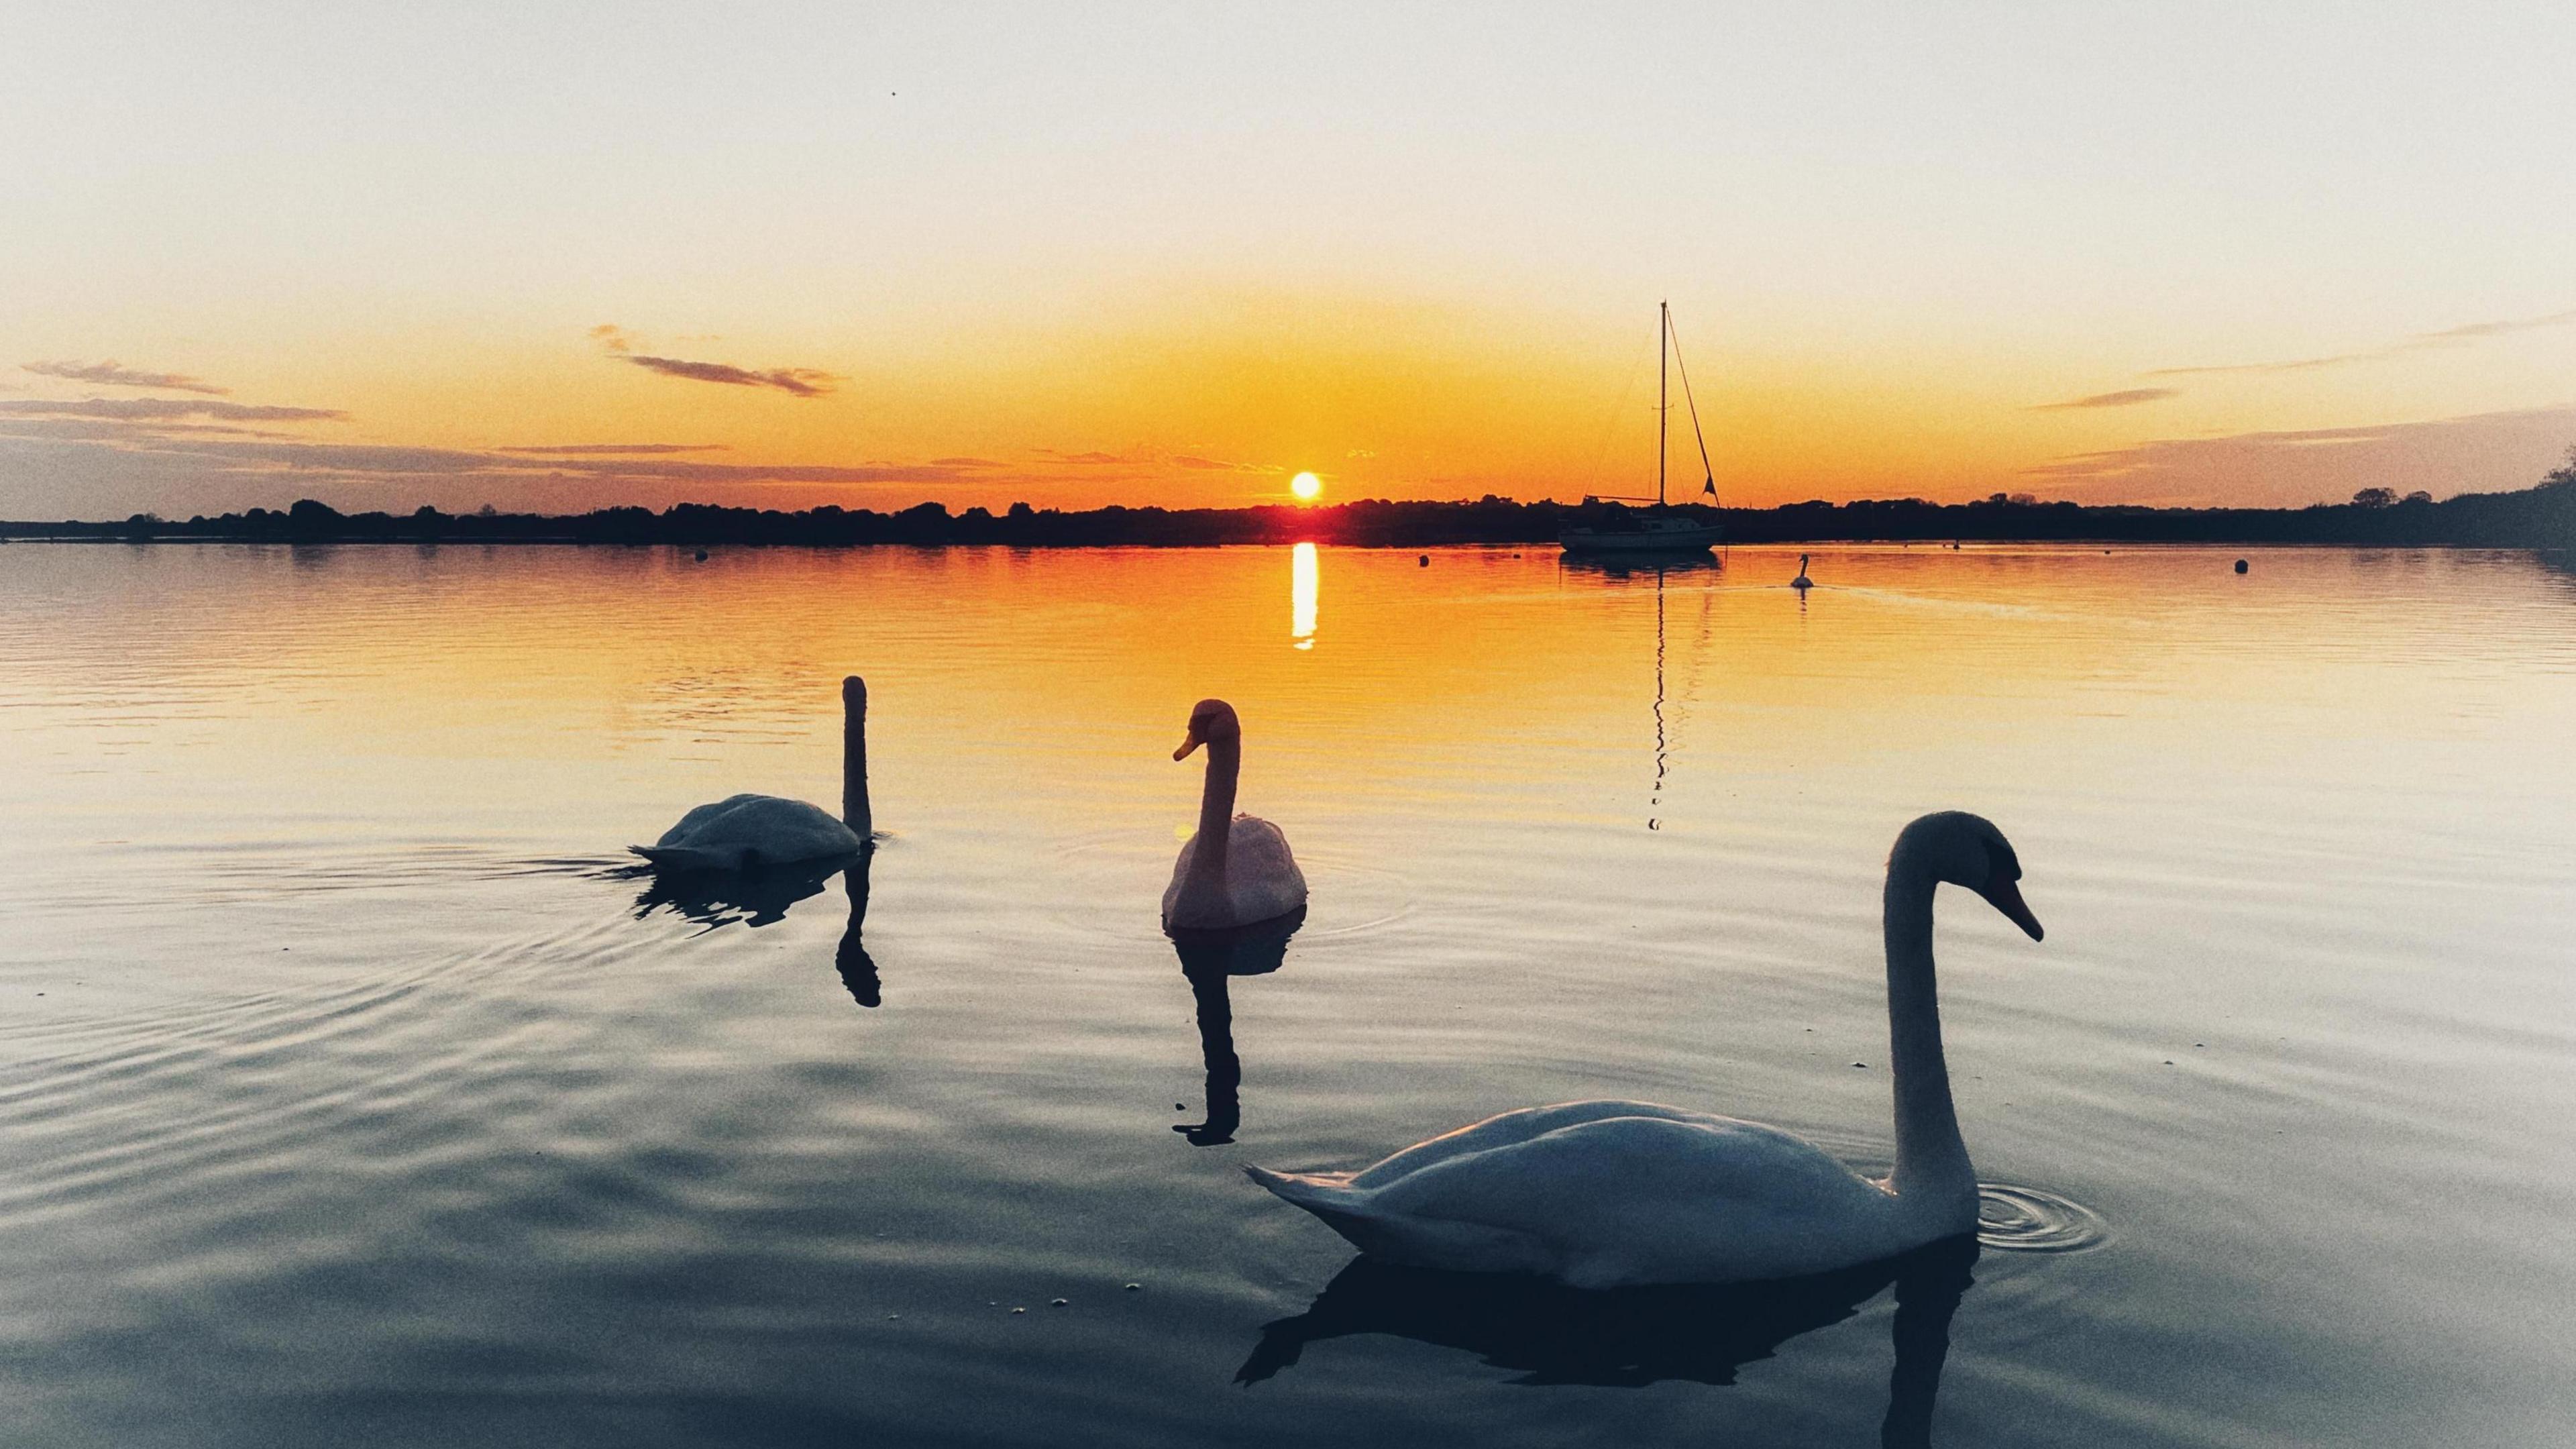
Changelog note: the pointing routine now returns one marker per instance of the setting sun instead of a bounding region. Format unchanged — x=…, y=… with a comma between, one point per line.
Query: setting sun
x=1306, y=485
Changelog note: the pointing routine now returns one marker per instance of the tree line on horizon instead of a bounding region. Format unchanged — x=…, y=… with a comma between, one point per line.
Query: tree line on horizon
x=2542, y=516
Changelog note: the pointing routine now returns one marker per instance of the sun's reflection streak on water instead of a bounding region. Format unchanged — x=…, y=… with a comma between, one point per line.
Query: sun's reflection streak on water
x=1305, y=584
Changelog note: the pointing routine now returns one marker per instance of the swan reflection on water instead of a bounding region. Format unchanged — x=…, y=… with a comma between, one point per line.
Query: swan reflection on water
x=761, y=897
x=1632, y=1337
x=1209, y=961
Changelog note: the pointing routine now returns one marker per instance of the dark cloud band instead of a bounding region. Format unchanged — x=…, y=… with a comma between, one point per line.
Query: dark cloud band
x=795, y=381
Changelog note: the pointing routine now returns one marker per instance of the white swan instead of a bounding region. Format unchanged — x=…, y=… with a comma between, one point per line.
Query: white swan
x=747, y=832
x=1236, y=870
x=1610, y=1194
x=1802, y=582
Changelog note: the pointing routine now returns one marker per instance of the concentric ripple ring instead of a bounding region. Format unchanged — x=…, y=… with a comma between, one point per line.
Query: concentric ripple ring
x=2026, y=1220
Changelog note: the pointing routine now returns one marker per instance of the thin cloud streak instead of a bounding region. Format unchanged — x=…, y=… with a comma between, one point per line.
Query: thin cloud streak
x=113, y=374
x=2421, y=341
x=808, y=382
x=161, y=409
x=2129, y=398
x=795, y=381
x=585, y=450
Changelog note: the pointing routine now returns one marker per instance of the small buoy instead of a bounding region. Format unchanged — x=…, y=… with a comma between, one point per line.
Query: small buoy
x=702, y=555
x=2240, y=565
x=1424, y=561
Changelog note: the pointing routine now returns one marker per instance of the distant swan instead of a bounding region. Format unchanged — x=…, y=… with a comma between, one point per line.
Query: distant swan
x=1802, y=581
x=748, y=832
x=1614, y=1194
x=1236, y=870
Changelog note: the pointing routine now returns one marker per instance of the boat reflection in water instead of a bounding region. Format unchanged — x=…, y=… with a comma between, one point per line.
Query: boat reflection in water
x=1209, y=961
x=1631, y=1337
x=1640, y=565
x=1622, y=571
x=761, y=897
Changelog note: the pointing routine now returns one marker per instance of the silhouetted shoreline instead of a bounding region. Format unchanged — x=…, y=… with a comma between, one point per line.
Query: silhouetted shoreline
x=2539, y=517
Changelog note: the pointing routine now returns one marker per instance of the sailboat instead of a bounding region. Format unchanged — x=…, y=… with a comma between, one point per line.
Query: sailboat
x=1662, y=530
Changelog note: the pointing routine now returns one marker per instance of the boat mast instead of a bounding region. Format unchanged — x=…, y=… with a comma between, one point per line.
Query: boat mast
x=1663, y=390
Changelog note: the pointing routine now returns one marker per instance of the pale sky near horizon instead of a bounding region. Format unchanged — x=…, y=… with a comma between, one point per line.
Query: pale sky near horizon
x=558, y=256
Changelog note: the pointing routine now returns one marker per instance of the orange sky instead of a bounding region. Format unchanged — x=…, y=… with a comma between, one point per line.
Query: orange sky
x=618, y=256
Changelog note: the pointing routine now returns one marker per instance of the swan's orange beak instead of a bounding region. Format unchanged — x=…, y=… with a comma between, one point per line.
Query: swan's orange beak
x=1187, y=746
x=2005, y=896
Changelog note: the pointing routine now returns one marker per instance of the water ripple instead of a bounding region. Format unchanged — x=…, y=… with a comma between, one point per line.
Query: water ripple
x=2029, y=1220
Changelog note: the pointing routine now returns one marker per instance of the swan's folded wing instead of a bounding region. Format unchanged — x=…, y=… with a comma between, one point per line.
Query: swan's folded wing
x=1660, y=1190
x=1257, y=845
x=701, y=818
x=1510, y=1129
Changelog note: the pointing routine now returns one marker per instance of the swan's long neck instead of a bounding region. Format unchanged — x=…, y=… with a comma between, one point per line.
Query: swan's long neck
x=1216, y=809
x=1930, y=1157
x=854, y=757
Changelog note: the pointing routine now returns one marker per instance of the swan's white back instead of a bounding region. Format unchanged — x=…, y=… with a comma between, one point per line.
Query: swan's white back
x=1262, y=880
x=744, y=831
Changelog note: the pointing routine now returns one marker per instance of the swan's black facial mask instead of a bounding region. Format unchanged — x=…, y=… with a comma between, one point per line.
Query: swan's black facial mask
x=2002, y=891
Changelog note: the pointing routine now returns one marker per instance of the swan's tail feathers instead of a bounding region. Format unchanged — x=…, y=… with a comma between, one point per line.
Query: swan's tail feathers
x=684, y=857
x=1397, y=1236
x=1313, y=1191
x=1329, y=1196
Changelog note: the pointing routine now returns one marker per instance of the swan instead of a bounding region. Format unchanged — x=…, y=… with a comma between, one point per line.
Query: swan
x=1621, y=1194
x=1802, y=581
x=747, y=832
x=1237, y=869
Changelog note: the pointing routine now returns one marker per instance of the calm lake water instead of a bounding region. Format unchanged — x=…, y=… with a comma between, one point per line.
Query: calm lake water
x=354, y=1090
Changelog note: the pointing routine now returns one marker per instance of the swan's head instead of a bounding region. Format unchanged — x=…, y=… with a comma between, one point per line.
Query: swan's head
x=1967, y=850
x=1212, y=721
